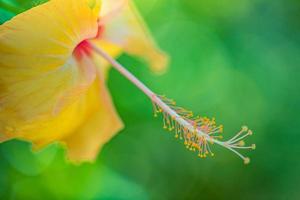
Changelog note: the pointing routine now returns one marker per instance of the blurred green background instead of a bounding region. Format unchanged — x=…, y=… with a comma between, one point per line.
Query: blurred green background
x=236, y=60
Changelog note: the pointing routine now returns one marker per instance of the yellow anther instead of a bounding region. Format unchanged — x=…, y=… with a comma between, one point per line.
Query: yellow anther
x=250, y=132
x=253, y=146
x=221, y=128
x=246, y=160
x=218, y=136
x=244, y=128
x=241, y=143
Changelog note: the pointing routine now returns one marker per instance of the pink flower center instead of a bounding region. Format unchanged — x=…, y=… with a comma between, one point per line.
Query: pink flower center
x=84, y=48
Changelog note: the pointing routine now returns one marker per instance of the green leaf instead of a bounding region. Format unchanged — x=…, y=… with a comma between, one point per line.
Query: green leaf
x=5, y=15
x=20, y=157
x=11, y=8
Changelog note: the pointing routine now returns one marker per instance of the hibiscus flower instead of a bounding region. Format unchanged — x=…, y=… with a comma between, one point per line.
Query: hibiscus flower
x=53, y=68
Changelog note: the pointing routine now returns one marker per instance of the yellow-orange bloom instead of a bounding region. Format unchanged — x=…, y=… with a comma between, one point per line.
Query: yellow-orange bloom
x=52, y=86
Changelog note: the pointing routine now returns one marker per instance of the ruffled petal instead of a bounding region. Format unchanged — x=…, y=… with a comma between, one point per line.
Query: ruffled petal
x=38, y=71
x=84, y=126
x=100, y=126
x=123, y=27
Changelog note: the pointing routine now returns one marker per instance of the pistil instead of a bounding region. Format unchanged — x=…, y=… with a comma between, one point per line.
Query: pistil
x=198, y=132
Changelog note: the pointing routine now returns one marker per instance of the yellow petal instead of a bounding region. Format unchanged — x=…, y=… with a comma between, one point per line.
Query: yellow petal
x=84, y=126
x=99, y=128
x=86, y=76
x=124, y=28
x=38, y=71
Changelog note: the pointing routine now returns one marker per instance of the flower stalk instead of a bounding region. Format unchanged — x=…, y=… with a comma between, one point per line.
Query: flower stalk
x=197, y=132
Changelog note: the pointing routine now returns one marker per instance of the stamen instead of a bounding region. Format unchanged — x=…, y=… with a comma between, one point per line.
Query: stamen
x=197, y=132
